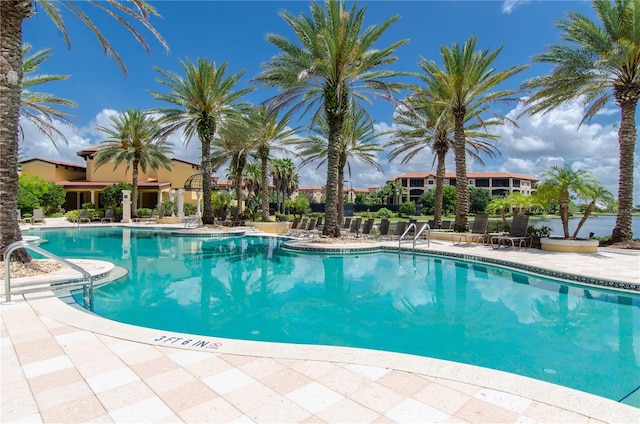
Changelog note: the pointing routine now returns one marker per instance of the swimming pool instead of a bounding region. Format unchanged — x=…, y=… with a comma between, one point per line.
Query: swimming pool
x=250, y=288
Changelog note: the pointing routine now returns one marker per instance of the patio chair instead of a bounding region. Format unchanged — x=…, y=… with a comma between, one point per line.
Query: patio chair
x=347, y=223
x=368, y=225
x=384, y=228
x=294, y=224
x=477, y=233
x=445, y=225
x=38, y=217
x=355, y=226
x=400, y=227
x=108, y=216
x=84, y=215
x=517, y=235
x=312, y=224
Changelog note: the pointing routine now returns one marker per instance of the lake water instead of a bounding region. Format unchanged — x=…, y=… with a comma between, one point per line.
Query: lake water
x=600, y=226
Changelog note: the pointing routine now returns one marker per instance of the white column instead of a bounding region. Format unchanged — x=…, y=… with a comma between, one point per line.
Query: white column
x=172, y=199
x=126, y=206
x=93, y=199
x=198, y=210
x=159, y=197
x=180, y=203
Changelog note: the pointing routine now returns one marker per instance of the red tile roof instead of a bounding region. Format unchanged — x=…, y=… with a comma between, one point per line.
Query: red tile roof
x=53, y=162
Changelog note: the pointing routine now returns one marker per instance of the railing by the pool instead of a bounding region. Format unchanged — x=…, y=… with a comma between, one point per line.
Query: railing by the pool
x=87, y=286
x=417, y=236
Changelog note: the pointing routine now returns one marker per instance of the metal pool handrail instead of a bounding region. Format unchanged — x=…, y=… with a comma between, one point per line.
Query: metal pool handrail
x=25, y=245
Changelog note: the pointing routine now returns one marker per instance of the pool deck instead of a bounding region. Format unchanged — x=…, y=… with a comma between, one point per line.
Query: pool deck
x=60, y=364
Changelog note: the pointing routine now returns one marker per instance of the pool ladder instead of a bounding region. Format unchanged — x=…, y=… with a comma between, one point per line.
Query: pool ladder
x=417, y=236
x=31, y=287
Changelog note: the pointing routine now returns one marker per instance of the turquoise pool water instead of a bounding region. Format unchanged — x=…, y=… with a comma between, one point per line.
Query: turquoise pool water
x=250, y=288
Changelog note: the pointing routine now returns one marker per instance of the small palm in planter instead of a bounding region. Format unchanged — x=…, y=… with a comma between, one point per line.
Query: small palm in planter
x=563, y=184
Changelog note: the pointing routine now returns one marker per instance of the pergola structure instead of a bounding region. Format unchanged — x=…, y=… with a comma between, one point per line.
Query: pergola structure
x=194, y=183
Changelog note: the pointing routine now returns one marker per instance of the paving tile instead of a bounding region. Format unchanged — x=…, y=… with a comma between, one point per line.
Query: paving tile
x=17, y=408
x=31, y=419
x=73, y=412
x=228, y=381
x=442, y=397
x=403, y=382
x=123, y=396
x=46, y=366
x=313, y=369
x=101, y=365
x=216, y=410
x=15, y=389
x=286, y=381
x=188, y=357
x=43, y=354
x=506, y=400
x=477, y=411
x=208, y=367
x=251, y=396
x=112, y=379
x=261, y=368
x=372, y=373
x=54, y=379
x=137, y=356
x=75, y=337
x=62, y=394
x=344, y=381
x=348, y=411
x=412, y=411
x=150, y=410
x=169, y=380
x=279, y=410
x=187, y=396
x=154, y=367
x=377, y=397
x=315, y=397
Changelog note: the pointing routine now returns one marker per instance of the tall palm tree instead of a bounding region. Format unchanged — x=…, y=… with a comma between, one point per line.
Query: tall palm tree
x=252, y=176
x=561, y=183
x=285, y=178
x=594, y=193
x=272, y=134
x=600, y=64
x=423, y=126
x=201, y=100
x=358, y=142
x=133, y=138
x=42, y=108
x=335, y=65
x=234, y=143
x=463, y=86
x=14, y=12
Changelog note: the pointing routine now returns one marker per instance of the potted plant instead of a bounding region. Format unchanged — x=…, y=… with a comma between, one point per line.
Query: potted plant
x=562, y=184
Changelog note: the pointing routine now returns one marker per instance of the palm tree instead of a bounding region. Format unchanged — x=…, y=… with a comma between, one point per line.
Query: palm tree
x=358, y=143
x=272, y=134
x=594, y=193
x=234, y=143
x=285, y=178
x=462, y=87
x=335, y=66
x=252, y=176
x=14, y=12
x=561, y=183
x=202, y=100
x=601, y=64
x=133, y=138
x=42, y=108
x=426, y=126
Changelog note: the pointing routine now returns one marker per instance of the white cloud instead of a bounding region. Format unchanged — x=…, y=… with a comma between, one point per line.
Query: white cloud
x=509, y=5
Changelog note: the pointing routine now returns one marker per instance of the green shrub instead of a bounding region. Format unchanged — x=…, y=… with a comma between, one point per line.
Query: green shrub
x=384, y=213
x=72, y=216
x=408, y=208
x=144, y=212
x=189, y=209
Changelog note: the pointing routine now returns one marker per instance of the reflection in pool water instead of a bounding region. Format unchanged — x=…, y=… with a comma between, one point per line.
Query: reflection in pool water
x=250, y=288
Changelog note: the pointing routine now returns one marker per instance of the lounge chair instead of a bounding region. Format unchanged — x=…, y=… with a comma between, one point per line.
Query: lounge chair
x=312, y=224
x=517, y=235
x=294, y=224
x=108, y=216
x=384, y=228
x=445, y=225
x=84, y=216
x=38, y=217
x=401, y=226
x=477, y=233
x=355, y=226
x=347, y=223
x=368, y=225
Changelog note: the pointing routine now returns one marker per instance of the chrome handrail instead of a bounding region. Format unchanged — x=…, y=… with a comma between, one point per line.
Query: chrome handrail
x=25, y=245
x=426, y=227
x=405, y=233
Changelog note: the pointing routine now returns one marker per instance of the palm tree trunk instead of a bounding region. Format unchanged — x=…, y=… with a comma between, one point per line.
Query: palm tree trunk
x=440, y=174
x=462, y=193
x=341, y=196
x=564, y=213
x=13, y=13
x=335, y=121
x=238, y=186
x=134, y=188
x=590, y=208
x=264, y=188
x=627, y=140
x=207, y=210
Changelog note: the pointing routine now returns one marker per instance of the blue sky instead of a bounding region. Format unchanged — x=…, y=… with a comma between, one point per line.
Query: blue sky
x=234, y=31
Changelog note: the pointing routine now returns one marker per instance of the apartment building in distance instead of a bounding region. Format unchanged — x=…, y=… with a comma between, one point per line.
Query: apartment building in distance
x=497, y=183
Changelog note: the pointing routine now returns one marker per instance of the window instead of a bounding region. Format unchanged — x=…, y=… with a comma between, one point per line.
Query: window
x=500, y=182
x=471, y=182
x=482, y=182
x=415, y=182
x=516, y=183
x=431, y=182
